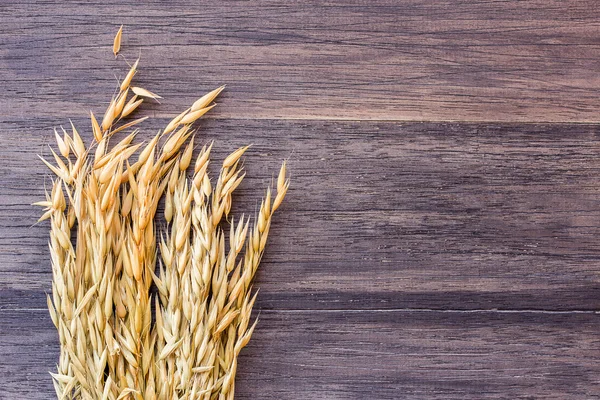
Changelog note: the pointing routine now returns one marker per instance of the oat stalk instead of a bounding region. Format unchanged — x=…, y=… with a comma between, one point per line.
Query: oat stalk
x=118, y=340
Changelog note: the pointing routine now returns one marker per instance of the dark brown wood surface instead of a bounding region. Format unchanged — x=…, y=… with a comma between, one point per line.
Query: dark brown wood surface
x=441, y=236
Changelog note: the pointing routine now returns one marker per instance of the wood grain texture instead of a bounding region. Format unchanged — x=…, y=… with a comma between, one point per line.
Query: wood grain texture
x=455, y=260
x=382, y=215
x=401, y=60
x=414, y=258
x=379, y=355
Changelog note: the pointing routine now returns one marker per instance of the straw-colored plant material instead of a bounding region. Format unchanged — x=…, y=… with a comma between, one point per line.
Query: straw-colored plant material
x=117, y=41
x=144, y=93
x=118, y=340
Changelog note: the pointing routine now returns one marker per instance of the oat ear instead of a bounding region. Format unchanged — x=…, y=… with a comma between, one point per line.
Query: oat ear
x=104, y=224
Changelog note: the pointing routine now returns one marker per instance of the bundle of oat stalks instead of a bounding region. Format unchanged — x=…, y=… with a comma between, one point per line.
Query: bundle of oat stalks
x=118, y=339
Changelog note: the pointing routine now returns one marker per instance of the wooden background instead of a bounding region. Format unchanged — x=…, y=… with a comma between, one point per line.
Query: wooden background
x=441, y=237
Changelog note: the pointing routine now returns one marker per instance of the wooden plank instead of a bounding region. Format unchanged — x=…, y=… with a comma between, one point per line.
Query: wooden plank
x=412, y=60
x=380, y=215
x=357, y=355
x=411, y=260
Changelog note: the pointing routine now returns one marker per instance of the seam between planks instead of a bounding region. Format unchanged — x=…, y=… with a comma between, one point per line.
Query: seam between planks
x=406, y=120
x=392, y=310
x=348, y=119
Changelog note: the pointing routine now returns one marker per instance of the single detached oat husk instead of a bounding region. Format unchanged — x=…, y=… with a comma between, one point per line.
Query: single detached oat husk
x=118, y=341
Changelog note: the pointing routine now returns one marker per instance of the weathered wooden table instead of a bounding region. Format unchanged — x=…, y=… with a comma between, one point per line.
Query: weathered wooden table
x=440, y=239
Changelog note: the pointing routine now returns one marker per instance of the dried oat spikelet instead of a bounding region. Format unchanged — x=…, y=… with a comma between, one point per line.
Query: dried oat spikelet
x=117, y=41
x=144, y=93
